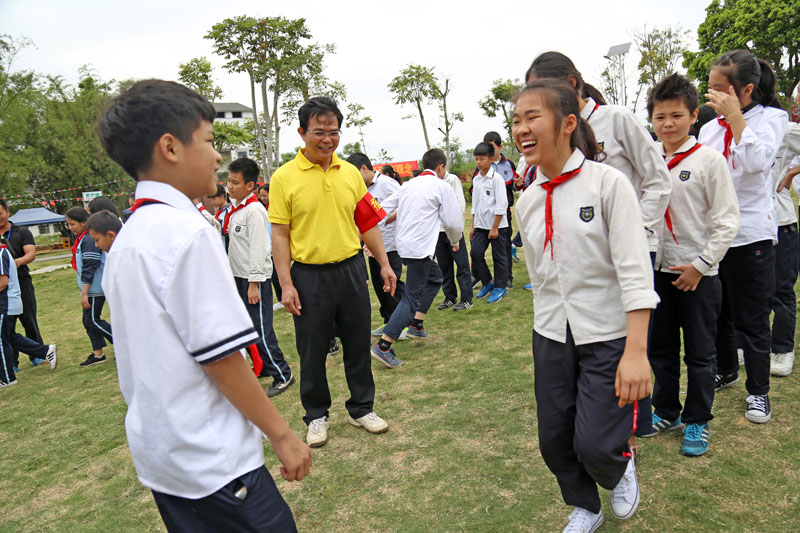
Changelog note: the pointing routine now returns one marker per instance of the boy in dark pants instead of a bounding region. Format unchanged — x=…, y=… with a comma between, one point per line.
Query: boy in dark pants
x=196, y=413
x=249, y=254
x=445, y=257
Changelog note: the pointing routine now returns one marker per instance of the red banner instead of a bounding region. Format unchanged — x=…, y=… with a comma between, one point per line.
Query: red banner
x=403, y=168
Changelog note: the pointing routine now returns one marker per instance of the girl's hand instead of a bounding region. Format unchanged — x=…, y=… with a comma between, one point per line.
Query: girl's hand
x=723, y=103
x=85, y=301
x=633, y=376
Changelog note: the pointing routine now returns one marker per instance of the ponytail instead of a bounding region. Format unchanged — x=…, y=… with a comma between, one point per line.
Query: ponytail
x=590, y=91
x=584, y=140
x=765, y=91
x=742, y=68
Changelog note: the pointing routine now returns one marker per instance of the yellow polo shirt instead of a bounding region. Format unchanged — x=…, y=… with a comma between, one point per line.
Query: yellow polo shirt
x=319, y=207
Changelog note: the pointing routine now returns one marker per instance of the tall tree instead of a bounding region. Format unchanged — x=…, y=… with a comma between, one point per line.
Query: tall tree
x=441, y=90
x=230, y=135
x=768, y=28
x=415, y=85
x=660, y=51
x=357, y=119
x=498, y=102
x=196, y=74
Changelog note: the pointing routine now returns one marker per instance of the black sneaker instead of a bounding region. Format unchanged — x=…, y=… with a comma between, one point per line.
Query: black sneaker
x=509, y=285
x=460, y=306
x=334, y=347
x=94, y=360
x=758, y=410
x=445, y=304
x=723, y=382
x=278, y=387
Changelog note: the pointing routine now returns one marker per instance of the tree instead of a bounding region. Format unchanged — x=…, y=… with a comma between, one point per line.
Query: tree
x=349, y=149
x=382, y=157
x=415, y=85
x=356, y=119
x=498, y=101
x=768, y=28
x=449, y=119
x=660, y=50
x=230, y=135
x=196, y=75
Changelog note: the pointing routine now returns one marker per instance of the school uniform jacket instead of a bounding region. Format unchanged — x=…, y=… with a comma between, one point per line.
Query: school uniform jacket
x=422, y=205
x=90, y=262
x=703, y=209
x=600, y=267
x=10, y=299
x=381, y=188
x=489, y=199
x=249, y=245
x=790, y=148
x=749, y=163
x=630, y=149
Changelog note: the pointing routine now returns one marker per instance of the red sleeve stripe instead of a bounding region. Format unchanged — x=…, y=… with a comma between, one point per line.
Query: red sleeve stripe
x=368, y=213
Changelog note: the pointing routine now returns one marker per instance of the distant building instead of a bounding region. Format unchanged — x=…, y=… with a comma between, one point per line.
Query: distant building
x=238, y=114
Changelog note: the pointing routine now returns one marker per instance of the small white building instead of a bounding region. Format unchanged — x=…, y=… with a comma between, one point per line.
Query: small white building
x=238, y=114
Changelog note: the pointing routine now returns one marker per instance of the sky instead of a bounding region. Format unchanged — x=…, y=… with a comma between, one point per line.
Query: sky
x=472, y=42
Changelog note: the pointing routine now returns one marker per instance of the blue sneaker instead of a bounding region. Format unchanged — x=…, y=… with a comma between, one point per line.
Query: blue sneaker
x=695, y=439
x=514, y=254
x=486, y=289
x=662, y=425
x=37, y=361
x=388, y=357
x=528, y=287
x=16, y=370
x=497, y=295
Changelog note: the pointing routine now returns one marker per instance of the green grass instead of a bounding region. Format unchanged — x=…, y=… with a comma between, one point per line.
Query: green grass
x=461, y=454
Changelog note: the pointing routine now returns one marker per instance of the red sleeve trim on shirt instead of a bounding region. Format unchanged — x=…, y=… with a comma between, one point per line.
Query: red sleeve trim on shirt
x=368, y=213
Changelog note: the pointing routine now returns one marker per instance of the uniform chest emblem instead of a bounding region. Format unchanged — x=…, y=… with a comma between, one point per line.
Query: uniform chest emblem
x=238, y=229
x=587, y=213
x=488, y=192
x=684, y=175
x=602, y=145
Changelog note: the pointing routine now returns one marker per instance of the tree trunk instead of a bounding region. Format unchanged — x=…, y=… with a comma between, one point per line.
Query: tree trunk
x=266, y=155
x=277, y=153
x=424, y=128
x=256, y=122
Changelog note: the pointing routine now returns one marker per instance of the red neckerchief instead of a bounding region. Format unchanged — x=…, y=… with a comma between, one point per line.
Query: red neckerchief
x=250, y=199
x=548, y=205
x=672, y=163
x=144, y=201
x=428, y=172
x=75, y=250
x=592, y=113
x=726, y=151
x=201, y=208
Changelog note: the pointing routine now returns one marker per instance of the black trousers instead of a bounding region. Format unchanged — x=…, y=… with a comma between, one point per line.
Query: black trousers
x=784, y=303
x=500, y=256
x=510, y=261
x=583, y=433
x=696, y=313
x=28, y=316
x=261, y=314
x=387, y=301
x=276, y=285
x=98, y=329
x=747, y=274
x=7, y=363
x=423, y=279
x=333, y=294
x=262, y=509
x=445, y=257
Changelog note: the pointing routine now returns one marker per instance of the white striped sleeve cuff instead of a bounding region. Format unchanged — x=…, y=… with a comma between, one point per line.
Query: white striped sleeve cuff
x=225, y=347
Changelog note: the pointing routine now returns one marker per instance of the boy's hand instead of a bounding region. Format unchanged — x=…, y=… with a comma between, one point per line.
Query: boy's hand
x=85, y=302
x=689, y=278
x=253, y=295
x=294, y=455
x=471, y=233
x=787, y=179
x=389, y=279
x=455, y=248
x=493, y=233
x=633, y=376
x=291, y=300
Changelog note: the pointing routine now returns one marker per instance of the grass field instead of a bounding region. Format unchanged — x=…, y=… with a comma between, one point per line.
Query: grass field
x=461, y=454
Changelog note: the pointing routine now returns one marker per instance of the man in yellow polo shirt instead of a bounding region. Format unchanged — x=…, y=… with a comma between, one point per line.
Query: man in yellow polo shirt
x=318, y=206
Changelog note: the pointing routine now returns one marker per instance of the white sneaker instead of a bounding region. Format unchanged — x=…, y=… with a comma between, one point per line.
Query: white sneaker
x=583, y=521
x=377, y=332
x=371, y=422
x=277, y=306
x=740, y=354
x=52, y=356
x=403, y=335
x=317, y=432
x=625, y=496
x=781, y=364
x=4, y=384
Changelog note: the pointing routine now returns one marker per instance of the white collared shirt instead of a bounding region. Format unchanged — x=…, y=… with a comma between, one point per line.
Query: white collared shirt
x=749, y=164
x=174, y=308
x=250, y=247
x=789, y=150
x=630, y=149
x=703, y=209
x=455, y=184
x=489, y=199
x=423, y=204
x=381, y=188
x=600, y=268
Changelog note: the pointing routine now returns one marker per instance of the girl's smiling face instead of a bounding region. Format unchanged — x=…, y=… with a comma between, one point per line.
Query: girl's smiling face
x=534, y=128
x=76, y=227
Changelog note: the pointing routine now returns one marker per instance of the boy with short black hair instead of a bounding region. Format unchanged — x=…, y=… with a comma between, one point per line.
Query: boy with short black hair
x=489, y=205
x=249, y=252
x=103, y=228
x=704, y=213
x=508, y=171
x=196, y=412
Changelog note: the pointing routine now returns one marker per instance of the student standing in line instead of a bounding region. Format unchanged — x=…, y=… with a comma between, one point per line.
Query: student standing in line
x=489, y=206
x=506, y=168
x=748, y=132
x=593, y=291
x=249, y=252
x=196, y=413
x=88, y=262
x=628, y=147
x=423, y=205
x=445, y=257
x=705, y=219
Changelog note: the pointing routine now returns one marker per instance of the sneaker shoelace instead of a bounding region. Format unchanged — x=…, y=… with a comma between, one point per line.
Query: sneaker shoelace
x=621, y=492
x=757, y=402
x=783, y=358
x=579, y=520
x=317, y=425
x=694, y=432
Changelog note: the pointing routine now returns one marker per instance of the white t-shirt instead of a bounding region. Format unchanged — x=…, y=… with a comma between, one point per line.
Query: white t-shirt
x=489, y=199
x=381, y=188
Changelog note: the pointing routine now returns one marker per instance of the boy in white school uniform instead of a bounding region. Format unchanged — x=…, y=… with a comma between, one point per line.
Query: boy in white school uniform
x=196, y=412
x=445, y=257
x=705, y=218
x=249, y=252
x=421, y=205
x=489, y=205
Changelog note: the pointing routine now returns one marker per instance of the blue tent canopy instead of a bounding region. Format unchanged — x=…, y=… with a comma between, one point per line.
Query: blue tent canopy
x=37, y=215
